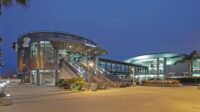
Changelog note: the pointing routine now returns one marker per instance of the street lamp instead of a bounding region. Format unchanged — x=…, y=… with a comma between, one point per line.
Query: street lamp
x=91, y=64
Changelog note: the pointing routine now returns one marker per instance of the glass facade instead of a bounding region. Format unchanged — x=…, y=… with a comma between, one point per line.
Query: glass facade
x=157, y=64
x=40, y=59
x=121, y=69
x=115, y=68
x=196, y=67
x=42, y=63
x=43, y=77
x=44, y=58
x=42, y=55
x=166, y=65
x=156, y=67
x=39, y=54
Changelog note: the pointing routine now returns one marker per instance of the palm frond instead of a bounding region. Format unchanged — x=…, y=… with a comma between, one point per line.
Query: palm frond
x=192, y=54
x=7, y=3
x=187, y=57
x=22, y=2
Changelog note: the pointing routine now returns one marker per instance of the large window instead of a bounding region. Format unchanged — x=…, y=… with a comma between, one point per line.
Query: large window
x=41, y=55
x=196, y=67
x=47, y=56
x=113, y=67
x=49, y=52
x=62, y=53
x=34, y=49
x=103, y=65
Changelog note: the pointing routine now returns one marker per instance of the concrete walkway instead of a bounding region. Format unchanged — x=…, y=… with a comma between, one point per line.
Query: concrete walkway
x=29, y=98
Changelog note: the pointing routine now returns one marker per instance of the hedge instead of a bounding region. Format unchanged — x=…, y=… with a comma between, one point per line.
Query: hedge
x=189, y=80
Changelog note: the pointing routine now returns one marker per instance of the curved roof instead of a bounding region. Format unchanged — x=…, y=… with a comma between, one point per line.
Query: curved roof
x=73, y=43
x=47, y=35
x=172, y=57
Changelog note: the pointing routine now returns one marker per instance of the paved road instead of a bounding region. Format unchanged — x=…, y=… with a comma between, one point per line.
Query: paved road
x=29, y=98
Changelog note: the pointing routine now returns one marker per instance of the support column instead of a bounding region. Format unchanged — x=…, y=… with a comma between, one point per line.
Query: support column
x=164, y=68
x=31, y=78
x=111, y=67
x=56, y=77
x=38, y=78
x=56, y=62
x=157, y=67
x=133, y=75
x=146, y=74
x=191, y=68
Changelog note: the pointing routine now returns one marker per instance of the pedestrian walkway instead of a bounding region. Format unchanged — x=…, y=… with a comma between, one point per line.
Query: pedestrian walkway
x=29, y=94
x=28, y=98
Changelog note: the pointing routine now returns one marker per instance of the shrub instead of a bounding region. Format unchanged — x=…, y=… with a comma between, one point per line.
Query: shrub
x=189, y=80
x=75, y=84
x=161, y=82
x=65, y=83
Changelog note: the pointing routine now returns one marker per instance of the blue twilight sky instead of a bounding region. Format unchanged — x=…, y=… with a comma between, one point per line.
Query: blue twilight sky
x=124, y=27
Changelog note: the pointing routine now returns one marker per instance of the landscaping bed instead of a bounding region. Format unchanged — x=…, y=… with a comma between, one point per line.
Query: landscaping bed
x=194, y=81
x=162, y=83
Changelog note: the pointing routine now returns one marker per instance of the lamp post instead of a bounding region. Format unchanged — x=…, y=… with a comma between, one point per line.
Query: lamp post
x=91, y=65
x=94, y=86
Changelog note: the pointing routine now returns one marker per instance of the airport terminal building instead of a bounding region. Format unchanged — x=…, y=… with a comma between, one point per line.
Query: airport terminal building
x=164, y=65
x=39, y=54
x=43, y=58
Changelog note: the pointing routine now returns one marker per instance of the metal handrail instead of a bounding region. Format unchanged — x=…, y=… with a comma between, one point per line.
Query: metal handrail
x=97, y=74
x=79, y=68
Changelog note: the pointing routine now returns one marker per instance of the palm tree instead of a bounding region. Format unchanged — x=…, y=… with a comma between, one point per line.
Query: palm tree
x=188, y=58
x=9, y=3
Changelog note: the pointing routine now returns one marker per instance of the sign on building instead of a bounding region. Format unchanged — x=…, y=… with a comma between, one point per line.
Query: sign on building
x=26, y=42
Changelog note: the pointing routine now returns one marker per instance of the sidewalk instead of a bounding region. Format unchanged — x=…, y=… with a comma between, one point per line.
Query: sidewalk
x=28, y=94
x=27, y=98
